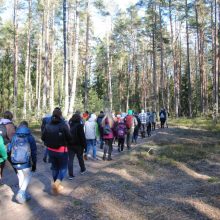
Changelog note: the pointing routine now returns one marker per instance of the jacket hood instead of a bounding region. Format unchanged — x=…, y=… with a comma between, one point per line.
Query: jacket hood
x=5, y=121
x=92, y=118
x=23, y=130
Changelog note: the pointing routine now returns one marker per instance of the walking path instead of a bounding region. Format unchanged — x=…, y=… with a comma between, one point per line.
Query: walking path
x=44, y=205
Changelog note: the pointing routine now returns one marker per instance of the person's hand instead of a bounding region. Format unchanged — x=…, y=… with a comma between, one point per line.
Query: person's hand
x=33, y=168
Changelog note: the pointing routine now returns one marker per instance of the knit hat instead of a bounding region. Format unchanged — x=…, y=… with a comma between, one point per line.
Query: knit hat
x=130, y=112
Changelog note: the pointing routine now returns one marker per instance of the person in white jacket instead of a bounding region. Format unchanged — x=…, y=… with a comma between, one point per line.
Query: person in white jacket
x=90, y=133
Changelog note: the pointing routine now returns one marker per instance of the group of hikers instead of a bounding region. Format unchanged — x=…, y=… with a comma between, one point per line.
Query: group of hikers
x=64, y=139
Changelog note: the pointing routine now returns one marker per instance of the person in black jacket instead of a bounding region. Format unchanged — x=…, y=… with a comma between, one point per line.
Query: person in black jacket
x=57, y=137
x=78, y=144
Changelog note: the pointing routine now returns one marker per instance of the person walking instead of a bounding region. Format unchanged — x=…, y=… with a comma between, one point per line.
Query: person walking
x=108, y=135
x=57, y=137
x=78, y=144
x=162, y=117
x=99, y=122
x=3, y=158
x=7, y=131
x=131, y=123
x=23, y=150
x=121, y=131
x=142, y=116
x=91, y=135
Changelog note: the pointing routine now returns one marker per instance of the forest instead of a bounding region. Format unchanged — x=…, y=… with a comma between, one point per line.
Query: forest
x=156, y=53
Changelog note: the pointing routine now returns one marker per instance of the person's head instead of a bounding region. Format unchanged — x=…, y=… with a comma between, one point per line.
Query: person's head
x=8, y=115
x=101, y=112
x=78, y=112
x=130, y=112
x=108, y=118
x=93, y=117
x=76, y=118
x=23, y=124
x=57, y=114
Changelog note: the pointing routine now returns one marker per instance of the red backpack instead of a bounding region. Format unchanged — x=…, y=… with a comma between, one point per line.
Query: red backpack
x=129, y=121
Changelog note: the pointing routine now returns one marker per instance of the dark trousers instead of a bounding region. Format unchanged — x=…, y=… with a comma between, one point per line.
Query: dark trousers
x=162, y=122
x=108, y=147
x=121, y=142
x=2, y=165
x=129, y=138
x=149, y=129
x=59, y=163
x=153, y=126
x=79, y=154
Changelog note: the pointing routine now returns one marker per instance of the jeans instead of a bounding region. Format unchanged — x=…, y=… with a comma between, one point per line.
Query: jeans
x=79, y=155
x=24, y=178
x=108, y=147
x=45, y=153
x=101, y=143
x=91, y=143
x=59, y=163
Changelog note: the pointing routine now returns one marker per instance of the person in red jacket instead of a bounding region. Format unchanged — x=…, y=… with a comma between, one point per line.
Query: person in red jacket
x=108, y=134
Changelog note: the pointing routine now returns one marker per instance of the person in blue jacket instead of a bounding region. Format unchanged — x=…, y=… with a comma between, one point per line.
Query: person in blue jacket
x=23, y=151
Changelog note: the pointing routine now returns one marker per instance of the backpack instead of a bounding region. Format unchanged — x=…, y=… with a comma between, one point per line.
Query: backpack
x=107, y=130
x=3, y=133
x=162, y=115
x=21, y=150
x=129, y=121
x=121, y=132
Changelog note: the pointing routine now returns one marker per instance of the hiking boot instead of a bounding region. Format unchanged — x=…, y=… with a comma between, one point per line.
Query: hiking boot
x=103, y=157
x=85, y=157
x=109, y=159
x=119, y=149
x=57, y=187
x=21, y=197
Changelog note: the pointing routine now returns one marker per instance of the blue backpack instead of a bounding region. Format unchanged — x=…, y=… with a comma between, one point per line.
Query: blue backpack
x=20, y=150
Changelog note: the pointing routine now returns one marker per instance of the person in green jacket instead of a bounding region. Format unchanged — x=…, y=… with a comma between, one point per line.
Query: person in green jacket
x=3, y=157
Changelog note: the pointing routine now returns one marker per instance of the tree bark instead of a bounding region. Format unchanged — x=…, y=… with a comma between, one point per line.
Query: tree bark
x=188, y=62
x=15, y=57
x=75, y=59
x=87, y=57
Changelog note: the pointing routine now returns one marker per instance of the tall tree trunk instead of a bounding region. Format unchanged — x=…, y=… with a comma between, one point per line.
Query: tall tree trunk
x=41, y=42
x=65, y=61
x=188, y=62
x=75, y=59
x=52, y=62
x=27, y=64
x=46, y=58
x=216, y=107
x=109, y=61
x=161, y=61
x=155, y=93
x=217, y=58
x=15, y=57
x=87, y=56
x=173, y=45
